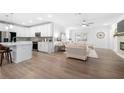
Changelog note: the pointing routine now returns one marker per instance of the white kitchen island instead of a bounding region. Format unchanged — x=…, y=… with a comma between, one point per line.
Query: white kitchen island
x=21, y=50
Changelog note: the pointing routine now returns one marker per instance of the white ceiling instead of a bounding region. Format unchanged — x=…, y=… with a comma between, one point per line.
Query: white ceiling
x=64, y=19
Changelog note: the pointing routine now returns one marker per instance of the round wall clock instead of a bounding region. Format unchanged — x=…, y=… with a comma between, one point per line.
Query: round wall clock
x=100, y=35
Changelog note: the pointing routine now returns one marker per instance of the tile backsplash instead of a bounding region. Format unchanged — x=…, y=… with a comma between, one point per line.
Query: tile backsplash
x=38, y=39
x=23, y=39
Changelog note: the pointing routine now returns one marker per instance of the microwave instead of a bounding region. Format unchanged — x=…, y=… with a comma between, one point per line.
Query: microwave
x=37, y=34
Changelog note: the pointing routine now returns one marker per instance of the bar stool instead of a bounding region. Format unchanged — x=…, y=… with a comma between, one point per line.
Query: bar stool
x=7, y=52
x=2, y=56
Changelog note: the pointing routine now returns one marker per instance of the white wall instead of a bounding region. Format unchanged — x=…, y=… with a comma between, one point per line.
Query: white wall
x=58, y=29
x=92, y=38
x=99, y=43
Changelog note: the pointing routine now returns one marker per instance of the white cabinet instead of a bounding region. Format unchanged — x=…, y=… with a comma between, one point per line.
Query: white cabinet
x=46, y=30
x=32, y=32
x=24, y=52
x=21, y=52
x=3, y=27
x=27, y=32
x=45, y=47
x=19, y=34
x=21, y=31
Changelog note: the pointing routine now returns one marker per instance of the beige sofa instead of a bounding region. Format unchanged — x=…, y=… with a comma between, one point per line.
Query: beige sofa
x=78, y=52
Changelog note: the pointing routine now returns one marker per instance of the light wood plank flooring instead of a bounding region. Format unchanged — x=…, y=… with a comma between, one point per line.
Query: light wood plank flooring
x=57, y=66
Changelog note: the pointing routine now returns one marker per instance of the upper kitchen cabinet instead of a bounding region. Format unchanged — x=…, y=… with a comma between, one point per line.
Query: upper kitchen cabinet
x=32, y=32
x=45, y=30
x=3, y=27
x=22, y=31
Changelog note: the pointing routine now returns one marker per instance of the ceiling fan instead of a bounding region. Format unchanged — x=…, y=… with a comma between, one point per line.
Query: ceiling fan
x=85, y=23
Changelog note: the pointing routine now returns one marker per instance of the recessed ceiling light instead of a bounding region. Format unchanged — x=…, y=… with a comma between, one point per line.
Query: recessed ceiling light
x=11, y=26
x=6, y=27
x=39, y=18
x=49, y=15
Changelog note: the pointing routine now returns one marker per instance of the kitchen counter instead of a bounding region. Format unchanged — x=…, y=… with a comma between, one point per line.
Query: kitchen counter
x=21, y=50
x=16, y=43
x=46, y=47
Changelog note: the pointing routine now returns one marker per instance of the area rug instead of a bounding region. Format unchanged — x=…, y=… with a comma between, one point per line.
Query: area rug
x=92, y=53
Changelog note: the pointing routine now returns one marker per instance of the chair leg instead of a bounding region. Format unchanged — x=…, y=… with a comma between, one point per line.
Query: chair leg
x=7, y=56
x=10, y=57
x=1, y=59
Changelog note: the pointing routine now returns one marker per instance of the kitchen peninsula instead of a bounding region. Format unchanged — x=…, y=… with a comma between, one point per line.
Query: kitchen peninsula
x=21, y=50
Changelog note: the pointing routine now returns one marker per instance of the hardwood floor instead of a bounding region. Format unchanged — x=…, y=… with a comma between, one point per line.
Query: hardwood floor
x=57, y=66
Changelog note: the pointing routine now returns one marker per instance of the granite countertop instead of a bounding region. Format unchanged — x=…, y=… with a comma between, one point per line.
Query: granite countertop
x=16, y=43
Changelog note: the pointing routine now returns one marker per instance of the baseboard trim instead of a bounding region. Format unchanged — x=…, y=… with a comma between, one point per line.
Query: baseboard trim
x=122, y=56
